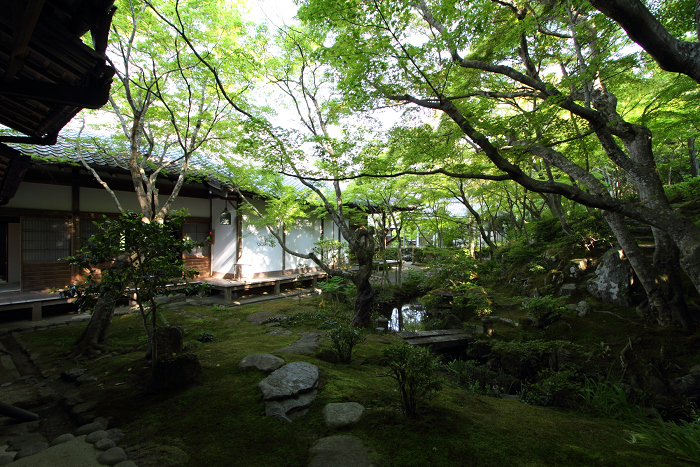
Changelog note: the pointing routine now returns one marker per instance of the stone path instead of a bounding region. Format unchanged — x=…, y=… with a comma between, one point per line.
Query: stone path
x=339, y=451
x=306, y=345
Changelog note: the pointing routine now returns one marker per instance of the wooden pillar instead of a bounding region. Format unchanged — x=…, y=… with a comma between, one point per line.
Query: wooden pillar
x=36, y=311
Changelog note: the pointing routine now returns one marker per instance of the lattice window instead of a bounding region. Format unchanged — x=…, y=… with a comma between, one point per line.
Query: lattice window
x=198, y=233
x=45, y=240
x=88, y=228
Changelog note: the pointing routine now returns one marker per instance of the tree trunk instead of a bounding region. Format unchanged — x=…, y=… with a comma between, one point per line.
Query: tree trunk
x=364, y=247
x=666, y=303
x=554, y=203
x=95, y=334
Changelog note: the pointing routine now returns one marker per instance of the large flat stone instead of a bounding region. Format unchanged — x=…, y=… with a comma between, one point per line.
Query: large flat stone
x=290, y=409
x=289, y=381
x=339, y=451
x=264, y=362
x=337, y=414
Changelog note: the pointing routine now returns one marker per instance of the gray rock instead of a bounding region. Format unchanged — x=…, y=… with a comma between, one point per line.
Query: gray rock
x=95, y=436
x=126, y=464
x=342, y=413
x=169, y=340
x=84, y=407
x=178, y=372
x=89, y=428
x=103, y=421
x=104, y=444
x=62, y=439
x=20, y=442
x=85, y=379
x=6, y=459
x=31, y=449
x=613, y=279
x=289, y=381
x=583, y=308
x=339, y=451
x=264, y=362
x=85, y=418
x=292, y=408
x=567, y=290
x=695, y=370
x=73, y=373
x=688, y=385
x=115, y=434
x=112, y=456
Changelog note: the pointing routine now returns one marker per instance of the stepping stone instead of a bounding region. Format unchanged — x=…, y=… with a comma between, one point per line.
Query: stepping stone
x=340, y=414
x=339, y=451
x=112, y=456
x=62, y=439
x=290, y=390
x=289, y=381
x=262, y=316
x=307, y=345
x=264, y=362
x=290, y=409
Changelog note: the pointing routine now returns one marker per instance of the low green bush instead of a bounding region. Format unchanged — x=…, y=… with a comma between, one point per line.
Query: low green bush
x=343, y=341
x=684, y=191
x=553, y=388
x=415, y=370
x=480, y=379
x=545, y=310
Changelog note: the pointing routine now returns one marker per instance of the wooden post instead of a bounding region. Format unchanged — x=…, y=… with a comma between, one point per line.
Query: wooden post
x=36, y=311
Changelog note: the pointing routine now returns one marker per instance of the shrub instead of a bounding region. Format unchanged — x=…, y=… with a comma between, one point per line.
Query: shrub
x=344, y=339
x=480, y=379
x=684, y=191
x=415, y=371
x=338, y=290
x=205, y=337
x=557, y=388
x=545, y=309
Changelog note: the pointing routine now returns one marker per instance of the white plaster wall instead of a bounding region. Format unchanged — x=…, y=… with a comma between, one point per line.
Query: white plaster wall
x=301, y=238
x=42, y=196
x=99, y=200
x=223, y=251
x=258, y=258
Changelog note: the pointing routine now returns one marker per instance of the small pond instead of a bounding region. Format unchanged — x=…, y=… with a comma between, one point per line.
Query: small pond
x=407, y=317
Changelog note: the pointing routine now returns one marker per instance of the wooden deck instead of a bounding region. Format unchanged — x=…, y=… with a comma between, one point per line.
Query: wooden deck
x=231, y=288
x=14, y=300
x=34, y=300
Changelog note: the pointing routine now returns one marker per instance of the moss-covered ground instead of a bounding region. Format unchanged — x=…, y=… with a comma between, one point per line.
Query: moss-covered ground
x=220, y=422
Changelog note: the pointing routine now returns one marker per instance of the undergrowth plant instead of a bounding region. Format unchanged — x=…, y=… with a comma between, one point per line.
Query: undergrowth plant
x=344, y=339
x=682, y=438
x=608, y=397
x=415, y=370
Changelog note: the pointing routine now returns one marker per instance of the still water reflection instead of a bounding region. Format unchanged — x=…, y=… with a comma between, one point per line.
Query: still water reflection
x=408, y=317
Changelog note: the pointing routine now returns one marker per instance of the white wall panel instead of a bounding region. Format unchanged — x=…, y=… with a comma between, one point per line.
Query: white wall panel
x=301, y=238
x=99, y=200
x=223, y=251
x=42, y=196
